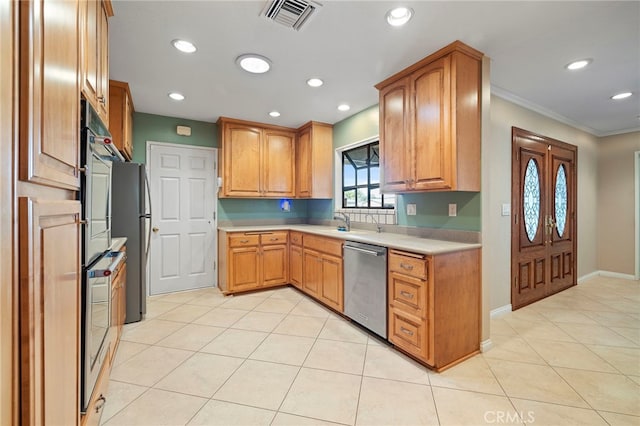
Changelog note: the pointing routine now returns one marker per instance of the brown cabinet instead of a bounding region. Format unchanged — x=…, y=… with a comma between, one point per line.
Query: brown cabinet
x=314, y=161
x=121, y=117
x=257, y=160
x=322, y=267
x=434, y=305
x=94, y=65
x=430, y=123
x=118, y=304
x=250, y=261
x=295, y=259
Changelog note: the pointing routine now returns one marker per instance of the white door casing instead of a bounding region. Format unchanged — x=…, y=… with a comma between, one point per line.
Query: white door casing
x=183, y=238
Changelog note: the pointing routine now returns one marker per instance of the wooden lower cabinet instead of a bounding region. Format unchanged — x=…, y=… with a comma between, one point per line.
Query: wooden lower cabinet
x=118, y=305
x=322, y=267
x=99, y=397
x=295, y=260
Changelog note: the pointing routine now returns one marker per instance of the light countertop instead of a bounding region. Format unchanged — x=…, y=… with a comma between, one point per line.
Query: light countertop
x=117, y=243
x=387, y=239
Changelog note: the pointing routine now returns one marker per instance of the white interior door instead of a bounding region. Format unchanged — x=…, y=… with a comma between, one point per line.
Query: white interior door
x=183, y=237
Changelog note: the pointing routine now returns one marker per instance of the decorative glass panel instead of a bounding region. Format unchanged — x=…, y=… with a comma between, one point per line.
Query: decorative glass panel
x=561, y=200
x=531, y=199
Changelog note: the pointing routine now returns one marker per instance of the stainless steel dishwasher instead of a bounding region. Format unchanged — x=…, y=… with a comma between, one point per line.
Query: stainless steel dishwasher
x=365, y=285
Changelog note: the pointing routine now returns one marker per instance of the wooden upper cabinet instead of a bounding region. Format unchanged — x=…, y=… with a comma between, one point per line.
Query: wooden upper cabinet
x=49, y=99
x=257, y=161
x=94, y=30
x=430, y=123
x=314, y=161
x=121, y=117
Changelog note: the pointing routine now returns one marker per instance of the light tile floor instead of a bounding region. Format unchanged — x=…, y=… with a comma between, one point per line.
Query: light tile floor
x=278, y=358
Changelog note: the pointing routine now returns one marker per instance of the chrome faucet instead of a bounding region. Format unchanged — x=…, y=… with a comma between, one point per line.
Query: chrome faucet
x=378, y=227
x=344, y=218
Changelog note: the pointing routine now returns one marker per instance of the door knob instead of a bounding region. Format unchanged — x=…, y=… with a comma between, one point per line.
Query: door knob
x=155, y=229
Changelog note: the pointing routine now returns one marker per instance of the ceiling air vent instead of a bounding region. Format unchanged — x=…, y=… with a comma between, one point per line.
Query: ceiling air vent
x=290, y=13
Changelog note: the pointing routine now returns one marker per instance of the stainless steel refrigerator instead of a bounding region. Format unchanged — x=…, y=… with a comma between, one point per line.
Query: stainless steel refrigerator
x=131, y=218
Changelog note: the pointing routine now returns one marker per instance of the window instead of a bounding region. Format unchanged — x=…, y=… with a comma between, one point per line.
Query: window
x=361, y=179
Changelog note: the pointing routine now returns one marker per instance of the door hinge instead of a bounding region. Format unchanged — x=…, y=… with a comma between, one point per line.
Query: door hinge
x=214, y=215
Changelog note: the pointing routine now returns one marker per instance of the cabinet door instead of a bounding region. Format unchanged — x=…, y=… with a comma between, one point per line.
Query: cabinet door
x=103, y=63
x=332, y=290
x=90, y=51
x=274, y=264
x=311, y=272
x=49, y=99
x=431, y=116
x=395, y=137
x=244, y=272
x=295, y=266
x=242, y=156
x=408, y=294
x=303, y=166
x=128, y=127
x=278, y=155
x=49, y=311
x=408, y=333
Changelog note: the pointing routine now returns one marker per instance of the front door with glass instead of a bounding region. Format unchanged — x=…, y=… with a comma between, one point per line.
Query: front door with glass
x=543, y=229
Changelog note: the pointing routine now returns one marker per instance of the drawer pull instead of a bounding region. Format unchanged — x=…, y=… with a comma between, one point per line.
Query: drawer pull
x=273, y=239
x=100, y=403
x=406, y=294
x=405, y=331
x=244, y=241
x=406, y=266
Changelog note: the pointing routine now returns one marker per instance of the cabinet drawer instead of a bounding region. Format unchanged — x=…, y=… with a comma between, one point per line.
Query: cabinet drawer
x=325, y=245
x=274, y=238
x=242, y=240
x=99, y=396
x=411, y=264
x=296, y=238
x=408, y=294
x=408, y=333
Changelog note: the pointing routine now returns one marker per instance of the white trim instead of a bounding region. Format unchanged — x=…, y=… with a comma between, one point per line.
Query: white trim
x=617, y=275
x=498, y=312
x=177, y=145
x=588, y=276
x=637, y=218
x=485, y=345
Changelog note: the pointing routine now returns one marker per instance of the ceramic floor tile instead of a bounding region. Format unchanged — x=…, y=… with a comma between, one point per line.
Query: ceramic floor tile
x=623, y=305
x=149, y=366
x=635, y=379
x=151, y=331
x=615, y=319
x=185, y=313
x=626, y=360
x=543, y=414
x=324, y=395
x=501, y=327
x=126, y=350
x=543, y=330
x=473, y=374
x=258, y=384
x=259, y=321
x=157, y=407
x=120, y=395
x=343, y=357
x=201, y=375
x=561, y=315
x=458, y=408
x=288, y=293
x=386, y=363
x=156, y=307
x=620, y=419
x=284, y=419
x=178, y=297
x=633, y=334
x=276, y=306
x=237, y=343
x=512, y=348
x=221, y=317
x=571, y=355
x=220, y=413
x=245, y=302
x=191, y=337
x=388, y=402
x=535, y=382
x=283, y=349
x=211, y=301
x=604, y=391
x=308, y=308
x=344, y=331
x=296, y=325
x=595, y=335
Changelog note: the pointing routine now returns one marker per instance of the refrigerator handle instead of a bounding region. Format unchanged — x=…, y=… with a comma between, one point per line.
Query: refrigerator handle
x=146, y=182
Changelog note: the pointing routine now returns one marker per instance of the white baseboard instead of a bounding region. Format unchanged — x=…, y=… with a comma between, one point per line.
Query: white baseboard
x=500, y=311
x=588, y=276
x=485, y=345
x=605, y=274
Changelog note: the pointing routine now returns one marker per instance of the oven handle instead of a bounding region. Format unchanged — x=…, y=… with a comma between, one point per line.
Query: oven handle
x=365, y=251
x=118, y=258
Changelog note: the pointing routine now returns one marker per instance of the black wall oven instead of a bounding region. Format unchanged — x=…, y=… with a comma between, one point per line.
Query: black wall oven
x=98, y=262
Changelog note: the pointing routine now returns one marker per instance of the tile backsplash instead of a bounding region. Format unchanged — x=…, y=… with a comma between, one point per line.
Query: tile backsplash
x=383, y=216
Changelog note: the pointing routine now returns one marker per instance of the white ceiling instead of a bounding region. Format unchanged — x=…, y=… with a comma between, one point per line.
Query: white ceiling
x=349, y=45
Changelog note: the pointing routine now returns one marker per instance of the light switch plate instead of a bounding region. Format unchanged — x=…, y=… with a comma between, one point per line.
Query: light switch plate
x=506, y=209
x=411, y=209
x=453, y=210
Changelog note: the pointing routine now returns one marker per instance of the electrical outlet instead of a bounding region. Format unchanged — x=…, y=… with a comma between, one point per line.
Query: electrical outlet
x=506, y=209
x=411, y=209
x=453, y=210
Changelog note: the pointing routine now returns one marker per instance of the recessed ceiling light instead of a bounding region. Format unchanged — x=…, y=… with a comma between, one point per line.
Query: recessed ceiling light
x=274, y=114
x=578, y=65
x=184, y=46
x=621, y=96
x=315, y=82
x=176, y=96
x=399, y=16
x=252, y=63
x=344, y=107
